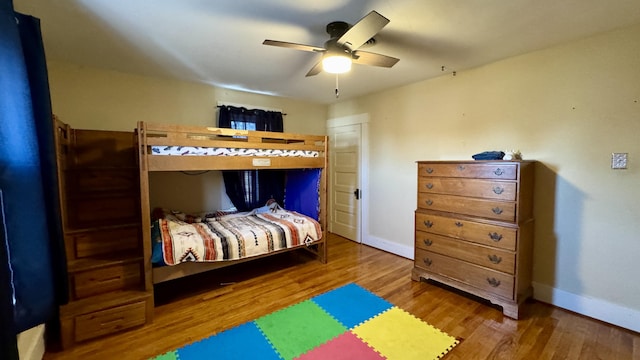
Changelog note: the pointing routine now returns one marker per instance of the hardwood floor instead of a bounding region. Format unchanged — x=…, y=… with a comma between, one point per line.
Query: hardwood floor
x=193, y=308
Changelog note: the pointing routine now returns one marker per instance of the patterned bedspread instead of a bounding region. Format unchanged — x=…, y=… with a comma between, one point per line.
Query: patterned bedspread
x=235, y=236
x=207, y=151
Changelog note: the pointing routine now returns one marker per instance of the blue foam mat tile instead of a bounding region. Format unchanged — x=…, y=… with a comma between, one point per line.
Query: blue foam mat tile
x=242, y=342
x=351, y=304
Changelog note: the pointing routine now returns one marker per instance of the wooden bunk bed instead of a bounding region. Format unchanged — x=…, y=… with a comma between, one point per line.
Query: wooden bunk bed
x=153, y=136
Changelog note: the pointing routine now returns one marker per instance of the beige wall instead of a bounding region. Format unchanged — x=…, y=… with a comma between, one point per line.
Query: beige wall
x=91, y=98
x=569, y=107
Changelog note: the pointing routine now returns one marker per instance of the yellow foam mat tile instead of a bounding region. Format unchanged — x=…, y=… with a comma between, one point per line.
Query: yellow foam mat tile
x=396, y=334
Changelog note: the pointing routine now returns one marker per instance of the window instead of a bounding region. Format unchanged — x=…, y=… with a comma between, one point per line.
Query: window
x=250, y=189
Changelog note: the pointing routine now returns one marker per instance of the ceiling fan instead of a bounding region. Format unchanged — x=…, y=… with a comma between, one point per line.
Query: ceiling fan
x=342, y=49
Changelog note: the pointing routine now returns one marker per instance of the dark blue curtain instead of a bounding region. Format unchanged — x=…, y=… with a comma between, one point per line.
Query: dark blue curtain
x=251, y=189
x=28, y=181
x=8, y=345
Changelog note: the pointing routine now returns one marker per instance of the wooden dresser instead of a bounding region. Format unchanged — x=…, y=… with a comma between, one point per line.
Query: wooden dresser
x=474, y=228
x=100, y=197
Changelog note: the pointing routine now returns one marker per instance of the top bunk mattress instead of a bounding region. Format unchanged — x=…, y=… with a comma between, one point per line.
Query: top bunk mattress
x=228, y=151
x=184, y=148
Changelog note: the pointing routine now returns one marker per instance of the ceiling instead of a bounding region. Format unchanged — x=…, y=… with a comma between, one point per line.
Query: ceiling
x=219, y=42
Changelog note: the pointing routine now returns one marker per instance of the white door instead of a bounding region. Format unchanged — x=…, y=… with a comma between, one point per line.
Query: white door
x=344, y=149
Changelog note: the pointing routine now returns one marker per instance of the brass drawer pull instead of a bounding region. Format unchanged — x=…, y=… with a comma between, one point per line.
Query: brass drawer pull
x=461, y=167
x=495, y=259
x=498, y=190
x=427, y=242
x=429, y=186
x=493, y=282
x=496, y=210
x=429, y=202
x=495, y=236
x=499, y=171
x=428, y=223
x=429, y=170
x=427, y=261
x=459, y=224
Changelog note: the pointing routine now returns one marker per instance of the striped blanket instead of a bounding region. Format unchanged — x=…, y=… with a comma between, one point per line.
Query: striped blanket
x=235, y=236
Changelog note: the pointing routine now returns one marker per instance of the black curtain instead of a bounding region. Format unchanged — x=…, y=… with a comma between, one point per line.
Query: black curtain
x=28, y=182
x=251, y=189
x=250, y=119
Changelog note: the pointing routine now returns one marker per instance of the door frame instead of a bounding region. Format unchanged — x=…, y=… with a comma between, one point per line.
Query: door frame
x=363, y=163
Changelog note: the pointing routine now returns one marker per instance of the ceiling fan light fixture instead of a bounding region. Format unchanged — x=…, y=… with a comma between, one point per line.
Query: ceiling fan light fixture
x=342, y=48
x=336, y=63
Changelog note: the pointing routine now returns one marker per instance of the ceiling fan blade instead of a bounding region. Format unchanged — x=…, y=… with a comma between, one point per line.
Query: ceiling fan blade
x=293, y=46
x=315, y=70
x=363, y=30
x=369, y=58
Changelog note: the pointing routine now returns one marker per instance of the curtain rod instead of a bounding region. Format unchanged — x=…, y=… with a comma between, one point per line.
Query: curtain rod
x=254, y=108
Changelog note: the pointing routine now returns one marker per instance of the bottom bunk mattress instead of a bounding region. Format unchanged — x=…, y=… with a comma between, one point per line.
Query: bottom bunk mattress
x=181, y=238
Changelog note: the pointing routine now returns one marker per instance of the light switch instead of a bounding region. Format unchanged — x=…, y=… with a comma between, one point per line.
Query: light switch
x=619, y=160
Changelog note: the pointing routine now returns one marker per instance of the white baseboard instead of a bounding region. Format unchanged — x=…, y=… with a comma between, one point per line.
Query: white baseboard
x=593, y=308
x=31, y=343
x=388, y=246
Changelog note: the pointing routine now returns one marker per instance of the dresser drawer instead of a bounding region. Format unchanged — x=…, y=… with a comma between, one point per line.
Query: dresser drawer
x=87, y=212
x=489, y=209
x=479, y=277
x=507, y=171
x=90, y=181
x=108, y=321
x=494, y=258
x=102, y=149
x=492, y=235
x=104, y=241
x=103, y=280
x=500, y=190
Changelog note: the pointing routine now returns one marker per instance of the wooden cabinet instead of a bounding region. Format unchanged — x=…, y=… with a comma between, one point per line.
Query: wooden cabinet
x=474, y=228
x=100, y=200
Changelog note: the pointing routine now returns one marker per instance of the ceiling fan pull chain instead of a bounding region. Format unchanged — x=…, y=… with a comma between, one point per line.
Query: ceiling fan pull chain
x=337, y=90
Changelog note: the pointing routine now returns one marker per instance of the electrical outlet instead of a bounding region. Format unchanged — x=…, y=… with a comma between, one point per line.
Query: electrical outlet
x=619, y=160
